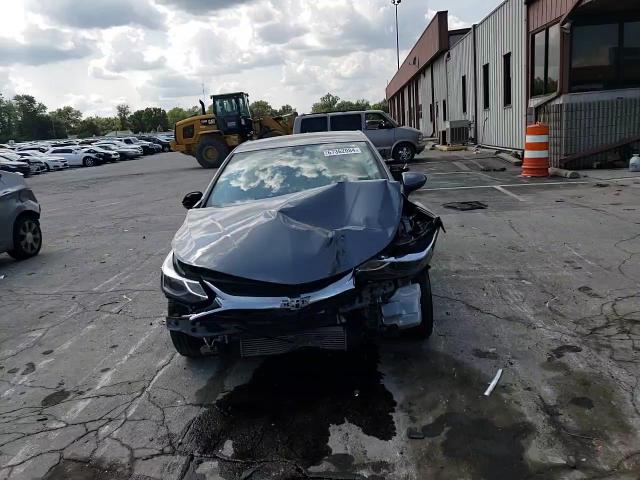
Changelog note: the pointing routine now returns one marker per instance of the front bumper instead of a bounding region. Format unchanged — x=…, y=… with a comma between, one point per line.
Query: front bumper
x=209, y=311
x=177, y=147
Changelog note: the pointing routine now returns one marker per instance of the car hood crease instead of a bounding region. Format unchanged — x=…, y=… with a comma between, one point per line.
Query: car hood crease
x=297, y=238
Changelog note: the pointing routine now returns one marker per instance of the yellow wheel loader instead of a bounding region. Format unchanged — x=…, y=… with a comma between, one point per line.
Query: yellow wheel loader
x=210, y=137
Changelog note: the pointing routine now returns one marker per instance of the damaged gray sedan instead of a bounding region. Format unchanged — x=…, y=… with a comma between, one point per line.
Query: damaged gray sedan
x=300, y=241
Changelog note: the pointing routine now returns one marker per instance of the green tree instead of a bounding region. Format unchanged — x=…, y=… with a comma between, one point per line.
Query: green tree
x=261, y=108
x=89, y=127
x=178, y=113
x=136, y=121
x=148, y=120
x=123, y=114
x=33, y=122
x=285, y=110
x=155, y=118
x=349, y=106
x=107, y=124
x=327, y=103
x=8, y=120
x=381, y=105
x=69, y=117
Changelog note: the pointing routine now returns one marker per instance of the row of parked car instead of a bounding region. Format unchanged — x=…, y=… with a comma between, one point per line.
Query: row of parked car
x=33, y=158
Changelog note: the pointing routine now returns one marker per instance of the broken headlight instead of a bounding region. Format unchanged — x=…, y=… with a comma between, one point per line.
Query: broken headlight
x=373, y=265
x=176, y=286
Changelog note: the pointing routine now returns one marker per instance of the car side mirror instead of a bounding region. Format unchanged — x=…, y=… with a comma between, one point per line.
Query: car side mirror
x=412, y=181
x=190, y=200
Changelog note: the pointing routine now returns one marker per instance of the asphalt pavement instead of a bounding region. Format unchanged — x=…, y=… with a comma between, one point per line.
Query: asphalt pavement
x=543, y=283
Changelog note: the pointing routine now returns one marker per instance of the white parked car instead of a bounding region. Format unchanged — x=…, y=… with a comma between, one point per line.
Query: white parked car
x=75, y=157
x=51, y=162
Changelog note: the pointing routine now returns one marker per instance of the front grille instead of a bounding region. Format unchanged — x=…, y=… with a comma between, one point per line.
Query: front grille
x=328, y=338
x=245, y=287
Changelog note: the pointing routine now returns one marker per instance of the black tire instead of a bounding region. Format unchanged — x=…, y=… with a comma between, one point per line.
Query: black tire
x=425, y=329
x=27, y=238
x=404, y=152
x=47, y=167
x=211, y=152
x=88, y=162
x=166, y=149
x=186, y=345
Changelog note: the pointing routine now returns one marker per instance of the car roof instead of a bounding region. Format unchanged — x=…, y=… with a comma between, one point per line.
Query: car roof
x=333, y=114
x=302, y=139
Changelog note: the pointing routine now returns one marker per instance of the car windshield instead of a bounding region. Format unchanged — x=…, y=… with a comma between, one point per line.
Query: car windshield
x=280, y=171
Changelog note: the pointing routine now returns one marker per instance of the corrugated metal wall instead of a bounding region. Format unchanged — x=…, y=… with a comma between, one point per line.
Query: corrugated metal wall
x=426, y=125
x=503, y=31
x=440, y=90
x=461, y=63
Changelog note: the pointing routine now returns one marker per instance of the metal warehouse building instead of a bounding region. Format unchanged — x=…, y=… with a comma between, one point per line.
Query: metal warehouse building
x=574, y=64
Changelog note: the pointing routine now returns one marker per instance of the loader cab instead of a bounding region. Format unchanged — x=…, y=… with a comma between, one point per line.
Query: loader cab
x=232, y=114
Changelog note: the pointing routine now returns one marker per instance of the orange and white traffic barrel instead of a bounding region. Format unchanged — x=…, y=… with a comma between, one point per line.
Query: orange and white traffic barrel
x=536, y=151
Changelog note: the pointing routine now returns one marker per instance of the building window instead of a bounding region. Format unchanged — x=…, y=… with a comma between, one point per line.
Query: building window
x=485, y=86
x=605, y=56
x=506, y=78
x=464, y=94
x=546, y=61
x=444, y=110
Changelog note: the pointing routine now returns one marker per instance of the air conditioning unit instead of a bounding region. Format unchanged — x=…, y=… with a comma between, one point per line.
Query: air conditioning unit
x=456, y=132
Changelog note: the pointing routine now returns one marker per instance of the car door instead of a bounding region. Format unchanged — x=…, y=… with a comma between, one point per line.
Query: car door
x=380, y=132
x=7, y=205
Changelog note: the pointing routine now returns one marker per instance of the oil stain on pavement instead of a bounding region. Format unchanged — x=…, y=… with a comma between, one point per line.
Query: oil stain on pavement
x=283, y=414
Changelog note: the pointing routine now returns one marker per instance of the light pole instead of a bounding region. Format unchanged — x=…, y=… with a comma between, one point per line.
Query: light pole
x=396, y=3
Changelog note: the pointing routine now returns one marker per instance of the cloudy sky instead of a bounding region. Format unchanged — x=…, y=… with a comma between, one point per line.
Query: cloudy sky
x=96, y=54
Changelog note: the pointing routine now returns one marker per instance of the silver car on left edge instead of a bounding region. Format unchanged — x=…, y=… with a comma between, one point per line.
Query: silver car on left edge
x=20, y=234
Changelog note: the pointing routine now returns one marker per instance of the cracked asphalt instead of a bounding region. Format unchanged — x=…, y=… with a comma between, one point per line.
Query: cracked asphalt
x=543, y=283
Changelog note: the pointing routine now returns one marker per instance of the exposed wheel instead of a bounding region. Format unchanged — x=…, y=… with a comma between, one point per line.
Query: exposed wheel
x=186, y=345
x=88, y=162
x=211, y=152
x=425, y=329
x=404, y=152
x=27, y=238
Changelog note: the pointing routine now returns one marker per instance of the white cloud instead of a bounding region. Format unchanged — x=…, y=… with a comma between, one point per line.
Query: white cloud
x=42, y=46
x=99, y=13
x=160, y=52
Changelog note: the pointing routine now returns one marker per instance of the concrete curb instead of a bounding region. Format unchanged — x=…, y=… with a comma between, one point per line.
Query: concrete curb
x=450, y=148
x=561, y=172
x=516, y=162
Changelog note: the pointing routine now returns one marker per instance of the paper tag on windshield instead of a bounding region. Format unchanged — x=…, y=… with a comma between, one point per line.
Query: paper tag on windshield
x=342, y=151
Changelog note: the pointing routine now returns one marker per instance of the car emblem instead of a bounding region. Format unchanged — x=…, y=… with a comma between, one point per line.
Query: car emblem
x=295, y=303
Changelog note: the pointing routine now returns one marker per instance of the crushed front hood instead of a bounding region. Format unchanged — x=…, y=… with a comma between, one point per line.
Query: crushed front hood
x=297, y=238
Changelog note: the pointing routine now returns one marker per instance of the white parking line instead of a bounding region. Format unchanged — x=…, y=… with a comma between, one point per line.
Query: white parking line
x=506, y=185
x=462, y=166
x=504, y=190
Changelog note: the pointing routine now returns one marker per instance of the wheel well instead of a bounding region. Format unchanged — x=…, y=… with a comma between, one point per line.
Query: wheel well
x=212, y=135
x=402, y=142
x=27, y=214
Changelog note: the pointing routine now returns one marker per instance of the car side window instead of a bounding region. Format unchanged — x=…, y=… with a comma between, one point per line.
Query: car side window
x=313, y=124
x=346, y=122
x=375, y=121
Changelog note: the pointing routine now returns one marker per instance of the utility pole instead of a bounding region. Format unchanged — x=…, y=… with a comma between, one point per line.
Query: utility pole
x=396, y=3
